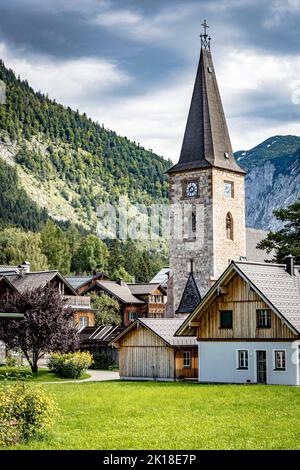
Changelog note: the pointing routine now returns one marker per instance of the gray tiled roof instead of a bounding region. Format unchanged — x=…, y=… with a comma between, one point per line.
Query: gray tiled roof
x=77, y=281
x=161, y=277
x=8, y=269
x=30, y=280
x=278, y=286
x=121, y=292
x=166, y=328
x=142, y=289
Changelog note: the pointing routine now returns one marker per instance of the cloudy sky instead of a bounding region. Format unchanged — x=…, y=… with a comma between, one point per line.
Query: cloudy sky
x=130, y=64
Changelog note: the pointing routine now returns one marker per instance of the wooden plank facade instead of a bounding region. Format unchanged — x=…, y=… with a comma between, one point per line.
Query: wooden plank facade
x=145, y=355
x=244, y=303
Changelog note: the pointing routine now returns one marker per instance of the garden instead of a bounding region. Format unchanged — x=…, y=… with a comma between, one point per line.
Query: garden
x=156, y=415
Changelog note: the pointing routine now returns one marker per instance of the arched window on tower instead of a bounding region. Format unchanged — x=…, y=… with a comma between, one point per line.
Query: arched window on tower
x=194, y=226
x=229, y=226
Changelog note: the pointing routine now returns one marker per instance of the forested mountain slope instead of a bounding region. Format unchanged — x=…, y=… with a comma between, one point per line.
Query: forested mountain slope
x=68, y=163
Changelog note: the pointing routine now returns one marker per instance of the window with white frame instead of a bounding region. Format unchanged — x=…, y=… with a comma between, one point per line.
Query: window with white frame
x=83, y=321
x=279, y=360
x=242, y=359
x=186, y=358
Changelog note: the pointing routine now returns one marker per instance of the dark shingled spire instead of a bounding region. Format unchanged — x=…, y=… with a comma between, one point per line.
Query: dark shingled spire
x=206, y=140
x=190, y=297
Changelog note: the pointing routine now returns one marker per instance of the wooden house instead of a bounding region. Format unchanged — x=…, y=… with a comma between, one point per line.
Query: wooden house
x=136, y=300
x=83, y=283
x=21, y=279
x=248, y=325
x=148, y=350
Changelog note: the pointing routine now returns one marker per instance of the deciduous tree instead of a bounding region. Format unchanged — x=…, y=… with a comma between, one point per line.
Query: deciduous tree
x=46, y=327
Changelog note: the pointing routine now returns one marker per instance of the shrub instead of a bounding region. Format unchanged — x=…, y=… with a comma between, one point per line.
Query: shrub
x=24, y=411
x=102, y=362
x=11, y=361
x=70, y=365
x=15, y=373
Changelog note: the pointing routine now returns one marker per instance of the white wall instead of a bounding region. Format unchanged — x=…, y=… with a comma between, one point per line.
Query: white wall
x=217, y=362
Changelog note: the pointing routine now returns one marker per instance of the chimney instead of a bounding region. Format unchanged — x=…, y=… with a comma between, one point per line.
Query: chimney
x=121, y=282
x=24, y=267
x=289, y=265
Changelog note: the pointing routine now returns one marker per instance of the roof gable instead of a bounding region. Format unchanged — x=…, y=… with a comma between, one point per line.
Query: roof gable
x=33, y=280
x=278, y=289
x=164, y=328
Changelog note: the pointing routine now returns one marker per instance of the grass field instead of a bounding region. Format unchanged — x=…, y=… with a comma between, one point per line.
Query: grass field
x=43, y=375
x=131, y=415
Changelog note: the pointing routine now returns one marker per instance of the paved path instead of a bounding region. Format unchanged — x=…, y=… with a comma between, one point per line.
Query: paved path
x=95, y=376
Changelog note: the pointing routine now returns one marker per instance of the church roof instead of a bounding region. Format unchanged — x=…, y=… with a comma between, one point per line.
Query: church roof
x=206, y=141
x=190, y=297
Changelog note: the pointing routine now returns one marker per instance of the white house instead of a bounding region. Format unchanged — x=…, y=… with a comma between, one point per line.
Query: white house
x=248, y=325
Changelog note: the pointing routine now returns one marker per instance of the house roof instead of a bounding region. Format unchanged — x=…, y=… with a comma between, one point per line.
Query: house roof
x=100, y=333
x=280, y=288
x=144, y=289
x=78, y=281
x=277, y=288
x=161, y=277
x=33, y=280
x=206, y=141
x=165, y=328
x=121, y=292
x=4, y=268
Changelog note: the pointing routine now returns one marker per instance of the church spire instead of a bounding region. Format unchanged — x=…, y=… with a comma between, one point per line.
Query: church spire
x=206, y=141
x=191, y=296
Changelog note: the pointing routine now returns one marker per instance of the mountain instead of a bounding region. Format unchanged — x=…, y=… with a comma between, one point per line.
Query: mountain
x=273, y=179
x=68, y=164
x=58, y=163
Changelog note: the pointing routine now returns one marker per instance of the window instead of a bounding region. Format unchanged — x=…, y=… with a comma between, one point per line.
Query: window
x=186, y=359
x=83, y=321
x=133, y=316
x=263, y=318
x=226, y=319
x=229, y=226
x=194, y=221
x=279, y=360
x=242, y=359
x=228, y=189
x=61, y=288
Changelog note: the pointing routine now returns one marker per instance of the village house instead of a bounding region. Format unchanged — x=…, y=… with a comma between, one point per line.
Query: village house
x=20, y=278
x=143, y=300
x=148, y=350
x=82, y=283
x=248, y=325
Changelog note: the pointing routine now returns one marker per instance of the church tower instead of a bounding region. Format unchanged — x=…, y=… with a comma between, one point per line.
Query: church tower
x=206, y=191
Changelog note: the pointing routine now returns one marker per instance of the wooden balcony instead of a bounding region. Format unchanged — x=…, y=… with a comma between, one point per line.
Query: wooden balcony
x=77, y=301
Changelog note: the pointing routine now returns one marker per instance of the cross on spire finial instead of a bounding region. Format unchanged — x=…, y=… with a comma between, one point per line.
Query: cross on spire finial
x=205, y=39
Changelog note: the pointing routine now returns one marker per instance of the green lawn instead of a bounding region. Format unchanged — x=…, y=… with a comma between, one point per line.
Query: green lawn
x=43, y=375
x=131, y=415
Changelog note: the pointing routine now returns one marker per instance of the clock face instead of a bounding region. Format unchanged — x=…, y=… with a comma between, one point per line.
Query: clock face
x=191, y=189
x=228, y=189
